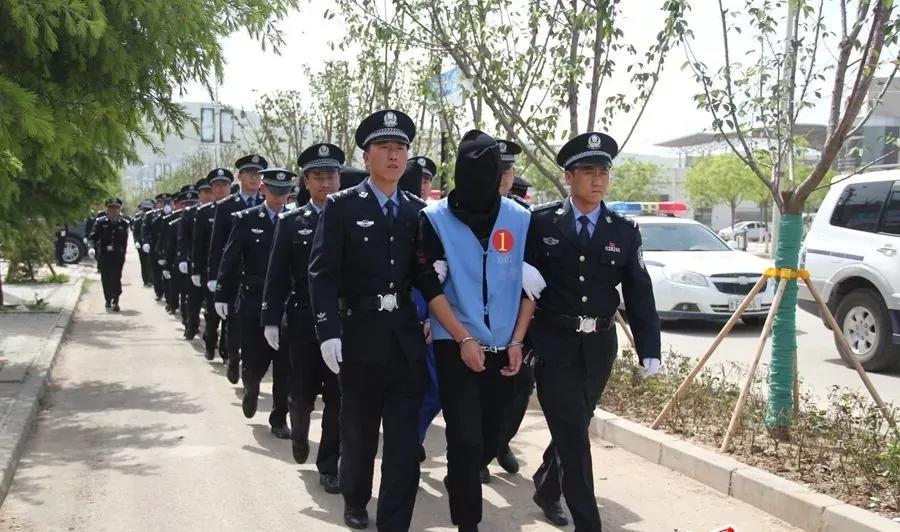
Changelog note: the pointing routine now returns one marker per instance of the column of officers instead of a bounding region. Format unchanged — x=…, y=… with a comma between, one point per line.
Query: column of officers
x=351, y=286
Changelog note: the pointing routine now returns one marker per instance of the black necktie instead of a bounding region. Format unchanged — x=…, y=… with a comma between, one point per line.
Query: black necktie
x=584, y=236
x=251, y=202
x=389, y=213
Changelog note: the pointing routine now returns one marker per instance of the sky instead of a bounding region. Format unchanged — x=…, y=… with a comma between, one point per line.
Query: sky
x=250, y=71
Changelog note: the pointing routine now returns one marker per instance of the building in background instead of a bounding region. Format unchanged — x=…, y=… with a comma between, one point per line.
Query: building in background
x=217, y=125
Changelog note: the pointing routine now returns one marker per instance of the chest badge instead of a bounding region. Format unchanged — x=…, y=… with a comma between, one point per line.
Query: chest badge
x=550, y=241
x=256, y=231
x=613, y=247
x=365, y=223
x=363, y=194
x=503, y=241
x=304, y=232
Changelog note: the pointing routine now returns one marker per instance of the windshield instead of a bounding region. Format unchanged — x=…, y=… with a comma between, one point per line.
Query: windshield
x=680, y=237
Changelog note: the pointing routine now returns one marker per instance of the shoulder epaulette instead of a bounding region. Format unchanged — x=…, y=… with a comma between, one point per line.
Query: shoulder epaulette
x=293, y=213
x=173, y=222
x=225, y=199
x=547, y=206
x=624, y=219
x=341, y=194
x=414, y=198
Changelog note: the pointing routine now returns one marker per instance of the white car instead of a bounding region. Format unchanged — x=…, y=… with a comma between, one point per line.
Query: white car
x=851, y=253
x=696, y=275
x=754, y=230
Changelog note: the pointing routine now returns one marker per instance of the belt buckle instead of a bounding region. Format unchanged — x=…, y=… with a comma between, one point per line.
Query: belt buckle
x=587, y=325
x=387, y=302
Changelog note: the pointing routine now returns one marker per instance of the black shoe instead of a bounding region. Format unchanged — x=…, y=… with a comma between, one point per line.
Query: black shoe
x=234, y=372
x=108, y=305
x=467, y=528
x=356, y=518
x=210, y=353
x=282, y=432
x=421, y=453
x=300, y=450
x=553, y=511
x=484, y=475
x=508, y=462
x=330, y=482
x=115, y=307
x=190, y=334
x=248, y=404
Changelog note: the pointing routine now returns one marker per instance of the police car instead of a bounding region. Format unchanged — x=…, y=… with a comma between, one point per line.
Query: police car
x=695, y=274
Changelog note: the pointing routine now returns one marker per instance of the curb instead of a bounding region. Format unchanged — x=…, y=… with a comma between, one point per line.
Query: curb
x=789, y=501
x=19, y=419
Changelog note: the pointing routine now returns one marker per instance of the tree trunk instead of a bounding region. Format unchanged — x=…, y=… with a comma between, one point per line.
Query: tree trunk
x=572, y=81
x=595, y=73
x=733, y=207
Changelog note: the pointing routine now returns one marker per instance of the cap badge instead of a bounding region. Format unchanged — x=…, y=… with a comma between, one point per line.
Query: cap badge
x=390, y=119
x=280, y=176
x=594, y=142
x=422, y=162
x=220, y=172
x=502, y=147
x=255, y=158
x=323, y=151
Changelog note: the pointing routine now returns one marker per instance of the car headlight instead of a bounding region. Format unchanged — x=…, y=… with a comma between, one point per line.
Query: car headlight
x=685, y=277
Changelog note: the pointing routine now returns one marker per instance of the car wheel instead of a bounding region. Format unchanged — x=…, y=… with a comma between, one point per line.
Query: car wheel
x=72, y=252
x=754, y=321
x=864, y=322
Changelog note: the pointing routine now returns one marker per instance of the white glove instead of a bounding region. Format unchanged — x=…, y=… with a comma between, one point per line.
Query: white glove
x=146, y=248
x=271, y=334
x=331, y=354
x=440, y=267
x=196, y=280
x=651, y=366
x=62, y=233
x=182, y=267
x=91, y=253
x=161, y=262
x=222, y=310
x=137, y=246
x=211, y=286
x=166, y=274
x=86, y=243
x=532, y=281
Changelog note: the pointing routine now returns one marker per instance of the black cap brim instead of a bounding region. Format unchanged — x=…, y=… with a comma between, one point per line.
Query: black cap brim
x=596, y=160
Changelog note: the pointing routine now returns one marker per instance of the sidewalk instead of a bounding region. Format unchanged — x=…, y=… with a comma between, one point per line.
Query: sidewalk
x=29, y=341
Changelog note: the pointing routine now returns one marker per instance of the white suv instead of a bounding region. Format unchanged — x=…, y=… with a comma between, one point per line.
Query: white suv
x=851, y=254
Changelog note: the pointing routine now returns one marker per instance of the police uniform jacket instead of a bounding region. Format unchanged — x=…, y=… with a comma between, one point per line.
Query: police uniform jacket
x=202, y=233
x=156, y=236
x=356, y=257
x=287, y=284
x=136, y=229
x=225, y=208
x=170, y=240
x=185, y=236
x=246, y=258
x=146, y=225
x=582, y=282
x=110, y=239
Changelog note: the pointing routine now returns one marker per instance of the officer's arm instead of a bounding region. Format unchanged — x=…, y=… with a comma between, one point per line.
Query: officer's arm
x=230, y=266
x=429, y=249
x=145, y=229
x=275, y=290
x=220, y=235
x=639, y=302
x=325, y=261
x=197, y=253
x=179, y=240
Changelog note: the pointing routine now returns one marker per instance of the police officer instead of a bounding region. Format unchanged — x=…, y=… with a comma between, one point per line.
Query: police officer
x=219, y=180
x=136, y=235
x=246, y=196
x=174, y=280
x=523, y=381
x=242, y=275
x=193, y=292
x=476, y=322
x=286, y=297
x=361, y=267
x=150, y=232
x=582, y=251
x=154, y=231
x=109, y=236
x=520, y=188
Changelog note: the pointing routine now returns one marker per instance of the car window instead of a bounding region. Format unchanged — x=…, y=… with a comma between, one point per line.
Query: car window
x=679, y=237
x=860, y=206
x=890, y=224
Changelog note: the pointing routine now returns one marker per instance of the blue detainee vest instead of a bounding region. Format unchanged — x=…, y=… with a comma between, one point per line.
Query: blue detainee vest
x=467, y=263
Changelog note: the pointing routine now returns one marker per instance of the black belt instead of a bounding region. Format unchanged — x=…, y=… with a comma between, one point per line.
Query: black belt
x=578, y=324
x=380, y=302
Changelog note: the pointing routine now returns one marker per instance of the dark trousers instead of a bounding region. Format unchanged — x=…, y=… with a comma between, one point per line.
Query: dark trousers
x=568, y=394
x=146, y=267
x=111, y=278
x=310, y=377
x=159, y=286
x=372, y=395
x=194, y=304
x=211, y=322
x=522, y=386
x=256, y=356
x=431, y=401
x=473, y=405
x=171, y=290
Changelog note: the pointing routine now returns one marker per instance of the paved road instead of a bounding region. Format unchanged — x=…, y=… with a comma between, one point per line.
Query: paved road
x=141, y=433
x=819, y=362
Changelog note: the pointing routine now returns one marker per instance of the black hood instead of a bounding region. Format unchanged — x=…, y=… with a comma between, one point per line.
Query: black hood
x=477, y=173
